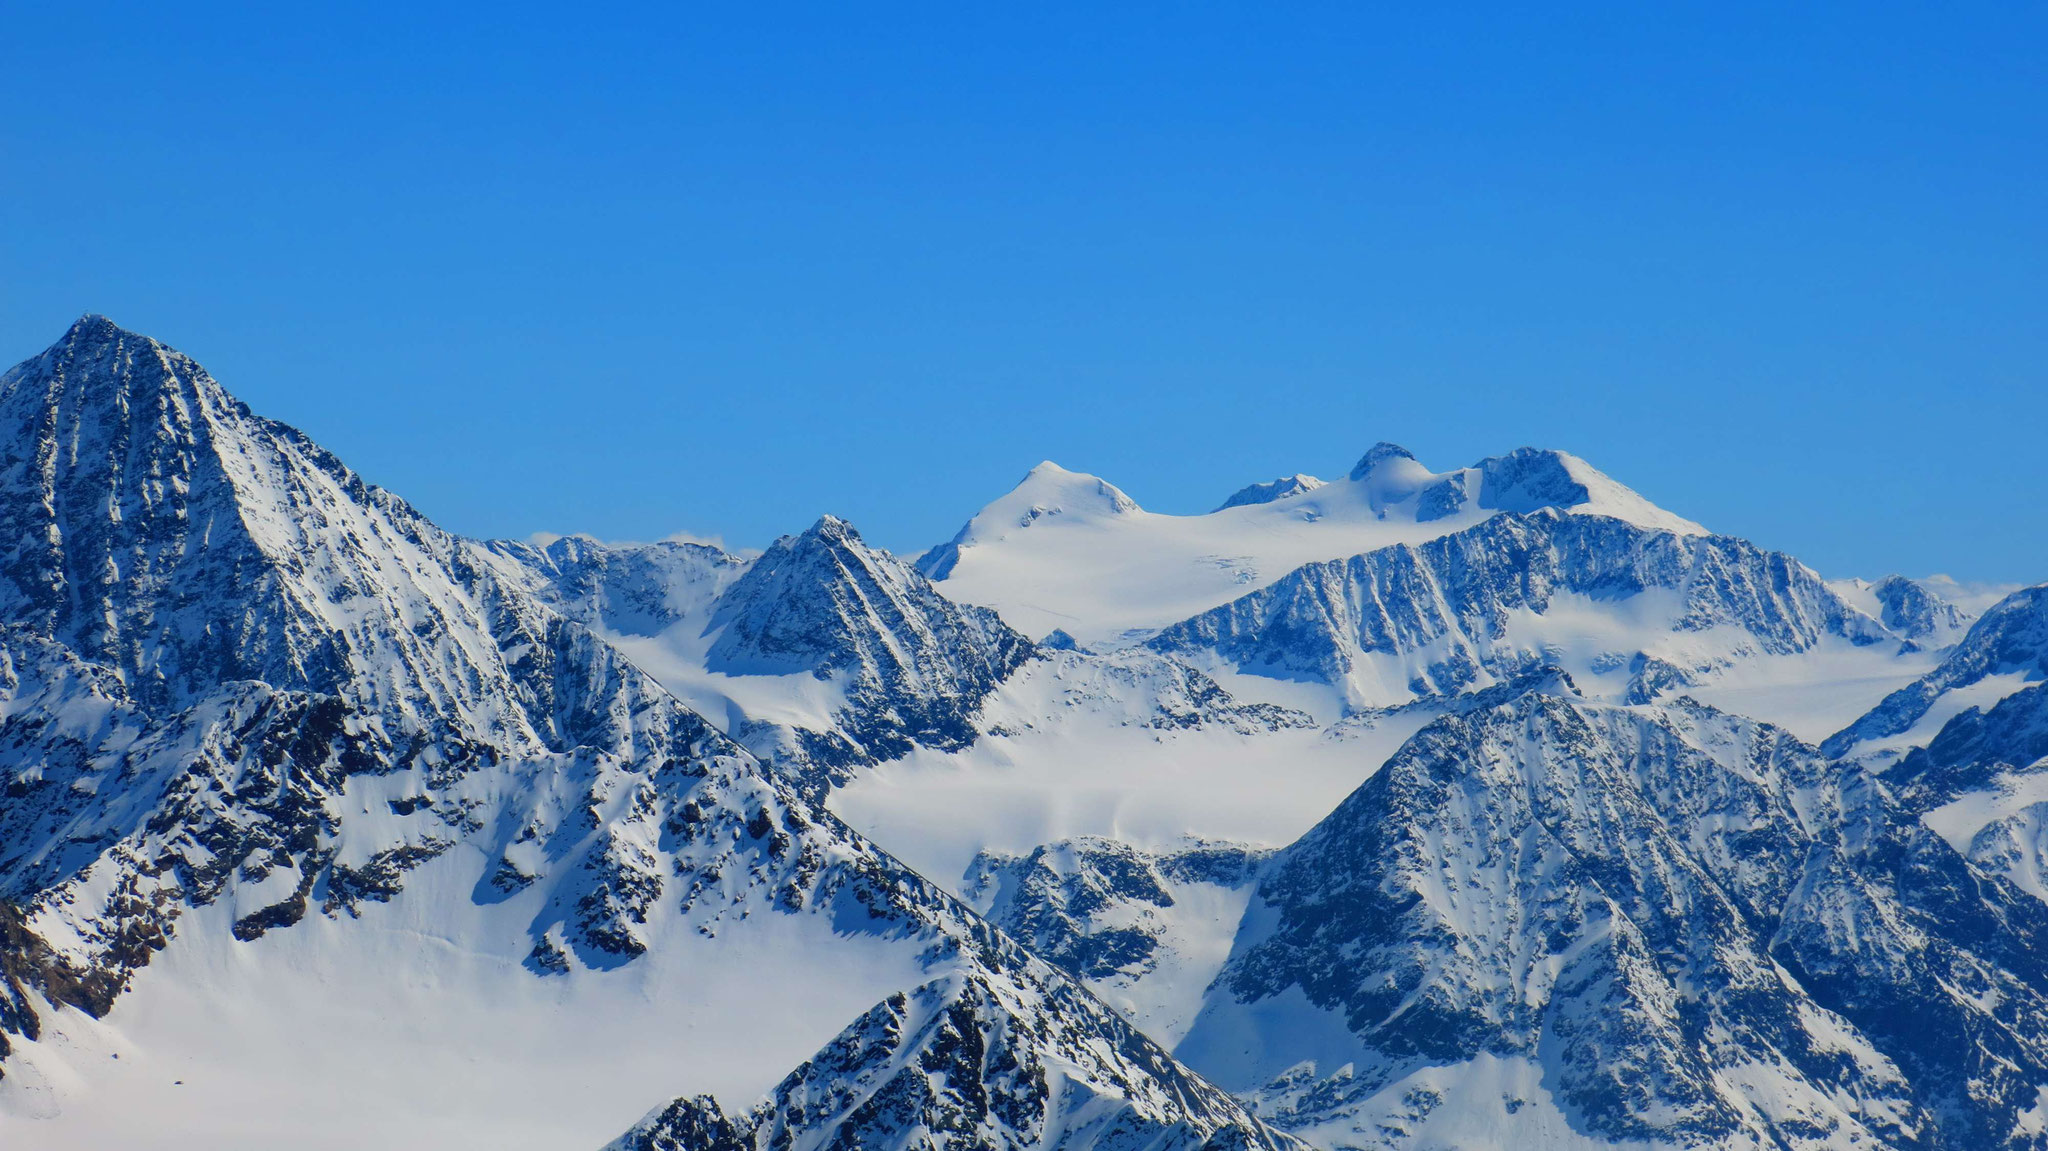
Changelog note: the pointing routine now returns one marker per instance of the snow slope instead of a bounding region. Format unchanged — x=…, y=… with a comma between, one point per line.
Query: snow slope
x=1146, y=930
x=426, y=1006
x=1069, y=551
x=1130, y=745
x=1074, y=553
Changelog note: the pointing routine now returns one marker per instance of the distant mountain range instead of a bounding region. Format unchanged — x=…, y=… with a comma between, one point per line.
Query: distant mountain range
x=1487, y=808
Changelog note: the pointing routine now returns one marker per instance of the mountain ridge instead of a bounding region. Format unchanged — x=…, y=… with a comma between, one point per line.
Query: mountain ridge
x=459, y=727
x=305, y=799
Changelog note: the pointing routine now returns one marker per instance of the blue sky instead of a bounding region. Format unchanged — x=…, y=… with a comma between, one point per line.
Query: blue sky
x=721, y=269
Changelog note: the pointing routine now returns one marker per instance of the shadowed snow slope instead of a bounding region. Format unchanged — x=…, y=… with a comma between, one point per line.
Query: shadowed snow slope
x=1131, y=745
x=2005, y=649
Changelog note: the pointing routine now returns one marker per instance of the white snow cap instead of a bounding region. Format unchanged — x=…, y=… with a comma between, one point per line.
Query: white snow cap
x=1067, y=550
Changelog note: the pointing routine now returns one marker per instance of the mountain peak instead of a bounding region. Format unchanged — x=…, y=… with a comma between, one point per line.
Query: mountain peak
x=93, y=324
x=106, y=379
x=1530, y=478
x=92, y=334
x=1271, y=490
x=146, y=506
x=1051, y=490
x=833, y=529
x=1047, y=492
x=1379, y=454
x=1390, y=474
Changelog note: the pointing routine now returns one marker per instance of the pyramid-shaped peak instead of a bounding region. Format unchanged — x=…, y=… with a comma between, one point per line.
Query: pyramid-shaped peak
x=829, y=544
x=832, y=529
x=89, y=326
x=172, y=535
x=93, y=334
x=96, y=358
x=95, y=366
x=93, y=326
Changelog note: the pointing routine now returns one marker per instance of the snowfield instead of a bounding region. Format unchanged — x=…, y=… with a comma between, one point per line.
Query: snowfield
x=1068, y=551
x=420, y=1024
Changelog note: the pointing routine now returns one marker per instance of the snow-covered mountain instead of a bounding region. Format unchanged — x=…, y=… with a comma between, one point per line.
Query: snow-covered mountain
x=1071, y=552
x=623, y=590
x=2004, y=650
x=971, y=1061
x=1663, y=923
x=452, y=797
x=822, y=655
x=1923, y=611
x=1647, y=611
x=1980, y=779
x=1271, y=490
x=1414, y=809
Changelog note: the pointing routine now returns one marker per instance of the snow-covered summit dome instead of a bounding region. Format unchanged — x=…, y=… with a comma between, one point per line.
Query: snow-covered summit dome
x=1377, y=456
x=1068, y=550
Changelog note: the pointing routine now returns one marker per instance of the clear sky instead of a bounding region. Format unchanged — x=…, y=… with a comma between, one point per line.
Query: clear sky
x=1782, y=268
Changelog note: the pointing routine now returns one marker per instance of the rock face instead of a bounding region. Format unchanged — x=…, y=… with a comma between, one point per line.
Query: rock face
x=976, y=1063
x=1452, y=614
x=913, y=664
x=632, y=589
x=1523, y=481
x=1982, y=778
x=1135, y=687
x=240, y=676
x=1697, y=930
x=1908, y=608
x=1977, y=746
x=271, y=632
x=1271, y=490
x=901, y=665
x=1146, y=929
x=160, y=529
x=1100, y=908
x=2010, y=638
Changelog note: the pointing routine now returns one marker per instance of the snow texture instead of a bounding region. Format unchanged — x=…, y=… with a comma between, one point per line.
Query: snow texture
x=248, y=695
x=1413, y=809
